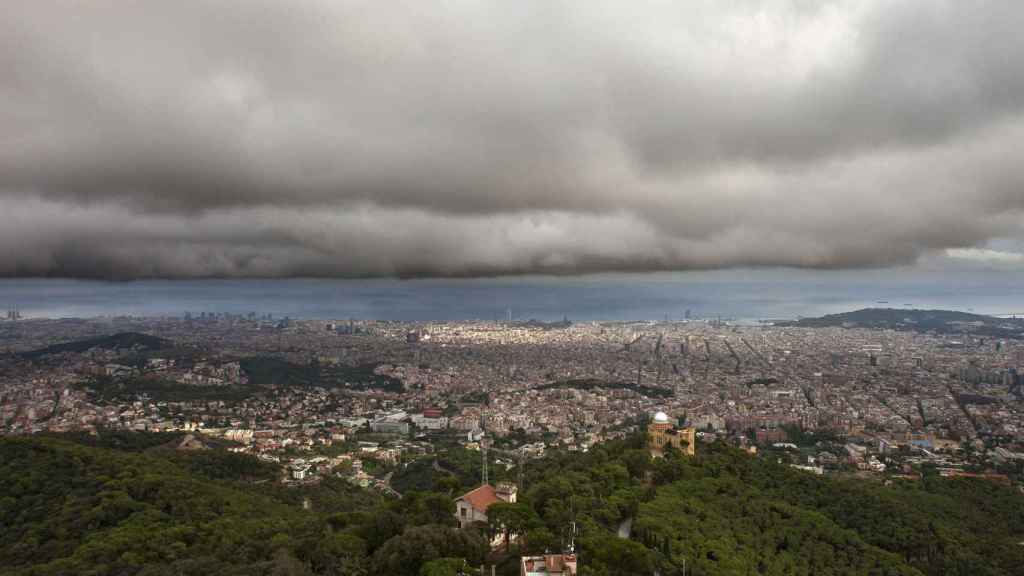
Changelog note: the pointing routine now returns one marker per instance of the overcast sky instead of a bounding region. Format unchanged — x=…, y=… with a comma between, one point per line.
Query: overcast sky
x=336, y=138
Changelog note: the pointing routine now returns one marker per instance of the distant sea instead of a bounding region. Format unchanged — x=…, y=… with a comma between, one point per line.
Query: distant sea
x=746, y=295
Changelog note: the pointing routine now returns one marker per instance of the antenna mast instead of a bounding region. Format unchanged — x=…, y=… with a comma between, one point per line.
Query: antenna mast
x=483, y=453
x=520, y=473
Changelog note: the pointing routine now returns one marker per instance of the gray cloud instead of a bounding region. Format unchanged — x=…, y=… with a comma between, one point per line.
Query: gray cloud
x=142, y=139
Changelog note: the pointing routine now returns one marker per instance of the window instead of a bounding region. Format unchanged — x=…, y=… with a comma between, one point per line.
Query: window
x=462, y=512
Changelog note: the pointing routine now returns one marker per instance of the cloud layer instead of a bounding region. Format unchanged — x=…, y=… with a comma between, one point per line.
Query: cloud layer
x=213, y=138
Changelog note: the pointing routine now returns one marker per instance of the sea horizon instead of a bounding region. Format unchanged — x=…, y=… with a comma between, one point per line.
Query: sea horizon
x=741, y=295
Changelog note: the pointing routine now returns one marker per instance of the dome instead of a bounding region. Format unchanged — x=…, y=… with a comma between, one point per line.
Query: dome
x=661, y=418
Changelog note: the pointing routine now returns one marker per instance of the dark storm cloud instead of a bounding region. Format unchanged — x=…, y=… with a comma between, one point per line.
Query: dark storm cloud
x=255, y=138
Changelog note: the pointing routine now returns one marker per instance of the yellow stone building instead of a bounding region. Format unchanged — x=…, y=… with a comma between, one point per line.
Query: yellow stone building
x=661, y=433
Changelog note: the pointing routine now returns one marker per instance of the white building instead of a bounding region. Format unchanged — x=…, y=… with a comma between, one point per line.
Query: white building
x=472, y=506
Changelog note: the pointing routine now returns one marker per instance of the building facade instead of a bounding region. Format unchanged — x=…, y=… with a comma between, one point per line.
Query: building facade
x=472, y=506
x=548, y=565
x=661, y=433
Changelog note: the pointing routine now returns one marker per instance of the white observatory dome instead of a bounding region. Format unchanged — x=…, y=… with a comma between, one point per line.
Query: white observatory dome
x=661, y=418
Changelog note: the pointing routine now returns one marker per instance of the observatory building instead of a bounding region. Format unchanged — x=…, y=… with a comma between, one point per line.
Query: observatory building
x=661, y=432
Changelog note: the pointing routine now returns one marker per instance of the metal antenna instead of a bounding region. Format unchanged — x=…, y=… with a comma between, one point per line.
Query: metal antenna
x=572, y=524
x=483, y=453
x=521, y=471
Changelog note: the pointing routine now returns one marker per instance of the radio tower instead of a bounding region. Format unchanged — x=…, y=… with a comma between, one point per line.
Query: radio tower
x=520, y=480
x=483, y=452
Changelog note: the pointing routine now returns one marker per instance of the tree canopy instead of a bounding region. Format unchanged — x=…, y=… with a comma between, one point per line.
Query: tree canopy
x=127, y=504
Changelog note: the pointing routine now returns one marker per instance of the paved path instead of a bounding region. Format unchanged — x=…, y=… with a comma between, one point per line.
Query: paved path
x=626, y=528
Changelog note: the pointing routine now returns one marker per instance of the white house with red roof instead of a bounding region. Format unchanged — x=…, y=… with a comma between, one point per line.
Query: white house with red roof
x=472, y=506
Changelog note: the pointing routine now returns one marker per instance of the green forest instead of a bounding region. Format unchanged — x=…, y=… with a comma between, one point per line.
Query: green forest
x=127, y=504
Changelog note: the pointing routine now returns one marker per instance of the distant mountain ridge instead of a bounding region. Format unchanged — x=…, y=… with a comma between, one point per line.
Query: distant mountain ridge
x=942, y=321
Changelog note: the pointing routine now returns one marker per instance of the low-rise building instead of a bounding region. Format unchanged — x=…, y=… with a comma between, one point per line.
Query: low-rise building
x=548, y=565
x=472, y=506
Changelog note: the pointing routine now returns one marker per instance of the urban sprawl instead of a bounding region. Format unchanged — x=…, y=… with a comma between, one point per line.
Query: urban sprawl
x=360, y=398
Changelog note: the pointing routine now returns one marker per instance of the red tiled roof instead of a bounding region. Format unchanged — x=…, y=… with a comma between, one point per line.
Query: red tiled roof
x=481, y=498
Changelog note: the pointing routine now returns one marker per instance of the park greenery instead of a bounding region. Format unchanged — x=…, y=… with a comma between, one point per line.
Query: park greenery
x=129, y=503
x=110, y=389
x=272, y=371
x=133, y=341
x=262, y=372
x=134, y=349
x=592, y=383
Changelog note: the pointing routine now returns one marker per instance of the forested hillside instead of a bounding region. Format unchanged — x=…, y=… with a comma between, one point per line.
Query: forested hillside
x=128, y=504
x=940, y=321
x=121, y=341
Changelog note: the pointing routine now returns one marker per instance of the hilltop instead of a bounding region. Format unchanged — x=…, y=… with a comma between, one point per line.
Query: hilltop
x=942, y=321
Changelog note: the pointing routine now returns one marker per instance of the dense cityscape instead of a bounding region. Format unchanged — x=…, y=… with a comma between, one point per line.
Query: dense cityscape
x=532, y=288
x=316, y=394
